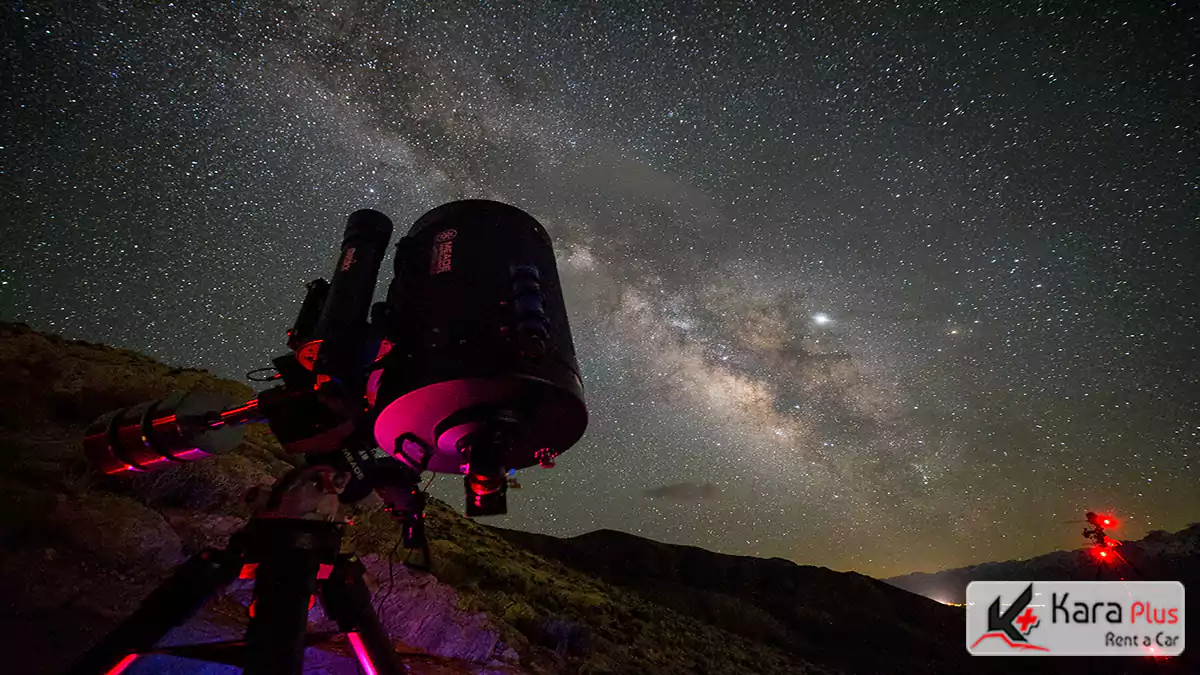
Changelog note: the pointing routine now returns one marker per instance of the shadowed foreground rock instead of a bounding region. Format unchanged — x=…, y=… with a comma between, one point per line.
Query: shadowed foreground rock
x=422, y=612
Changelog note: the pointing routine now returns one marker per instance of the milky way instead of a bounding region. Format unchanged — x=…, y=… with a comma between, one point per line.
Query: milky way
x=879, y=288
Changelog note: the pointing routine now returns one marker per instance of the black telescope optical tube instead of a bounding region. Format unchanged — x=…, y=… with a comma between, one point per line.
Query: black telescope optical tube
x=342, y=326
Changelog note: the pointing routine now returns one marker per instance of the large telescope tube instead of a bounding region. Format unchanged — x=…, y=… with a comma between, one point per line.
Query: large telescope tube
x=482, y=376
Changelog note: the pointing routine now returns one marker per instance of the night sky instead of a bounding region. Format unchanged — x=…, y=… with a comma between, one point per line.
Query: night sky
x=875, y=287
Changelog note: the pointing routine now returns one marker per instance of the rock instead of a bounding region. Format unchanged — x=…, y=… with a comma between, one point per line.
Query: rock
x=198, y=530
x=215, y=484
x=418, y=610
x=116, y=531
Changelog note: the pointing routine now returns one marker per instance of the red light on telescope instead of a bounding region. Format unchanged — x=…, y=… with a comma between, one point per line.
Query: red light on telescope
x=360, y=651
x=122, y=665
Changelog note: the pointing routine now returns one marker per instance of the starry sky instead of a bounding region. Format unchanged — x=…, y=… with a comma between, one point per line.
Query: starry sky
x=877, y=286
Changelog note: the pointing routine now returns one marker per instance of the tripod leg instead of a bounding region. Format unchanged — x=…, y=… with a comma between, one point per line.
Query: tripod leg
x=1099, y=570
x=275, y=637
x=1131, y=565
x=348, y=602
x=171, y=604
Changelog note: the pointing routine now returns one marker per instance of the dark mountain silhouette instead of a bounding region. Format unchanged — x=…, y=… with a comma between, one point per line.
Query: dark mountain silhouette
x=1159, y=555
x=854, y=622
x=843, y=618
x=79, y=551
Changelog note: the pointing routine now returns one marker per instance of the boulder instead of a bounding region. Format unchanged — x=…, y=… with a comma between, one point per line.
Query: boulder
x=115, y=530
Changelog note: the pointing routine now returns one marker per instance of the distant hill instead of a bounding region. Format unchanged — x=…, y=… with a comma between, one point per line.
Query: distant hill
x=846, y=619
x=1159, y=555
x=853, y=622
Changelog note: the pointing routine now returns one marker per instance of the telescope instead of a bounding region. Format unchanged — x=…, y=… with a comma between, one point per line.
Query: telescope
x=466, y=367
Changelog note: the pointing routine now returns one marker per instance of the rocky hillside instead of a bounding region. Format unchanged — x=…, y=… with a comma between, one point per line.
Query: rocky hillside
x=79, y=551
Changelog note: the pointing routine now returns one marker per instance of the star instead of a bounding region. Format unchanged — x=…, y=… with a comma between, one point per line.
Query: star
x=775, y=233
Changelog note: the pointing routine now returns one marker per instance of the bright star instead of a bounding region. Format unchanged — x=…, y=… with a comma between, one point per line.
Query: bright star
x=821, y=319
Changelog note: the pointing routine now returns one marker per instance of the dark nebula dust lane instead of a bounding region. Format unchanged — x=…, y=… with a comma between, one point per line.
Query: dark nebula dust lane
x=881, y=288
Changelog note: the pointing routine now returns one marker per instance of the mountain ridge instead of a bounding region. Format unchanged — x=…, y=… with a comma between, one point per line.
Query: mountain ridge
x=1158, y=555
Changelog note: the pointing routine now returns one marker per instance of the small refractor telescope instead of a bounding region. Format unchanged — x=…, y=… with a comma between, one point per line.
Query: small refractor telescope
x=1105, y=549
x=467, y=367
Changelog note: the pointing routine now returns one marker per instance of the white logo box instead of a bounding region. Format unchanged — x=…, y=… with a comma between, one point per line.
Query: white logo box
x=1076, y=618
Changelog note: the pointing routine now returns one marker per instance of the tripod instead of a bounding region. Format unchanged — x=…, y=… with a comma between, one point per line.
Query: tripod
x=291, y=560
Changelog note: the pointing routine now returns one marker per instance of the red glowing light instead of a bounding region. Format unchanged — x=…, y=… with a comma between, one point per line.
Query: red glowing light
x=121, y=469
x=307, y=354
x=1103, y=554
x=360, y=651
x=385, y=346
x=153, y=461
x=122, y=665
x=190, y=454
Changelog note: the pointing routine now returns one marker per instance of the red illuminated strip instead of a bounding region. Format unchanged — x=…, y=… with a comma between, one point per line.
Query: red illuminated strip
x=245, y=409
x=189, y=455
x=360, y=651
x=122, y=665
x=155, y=461
x=122, y=469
